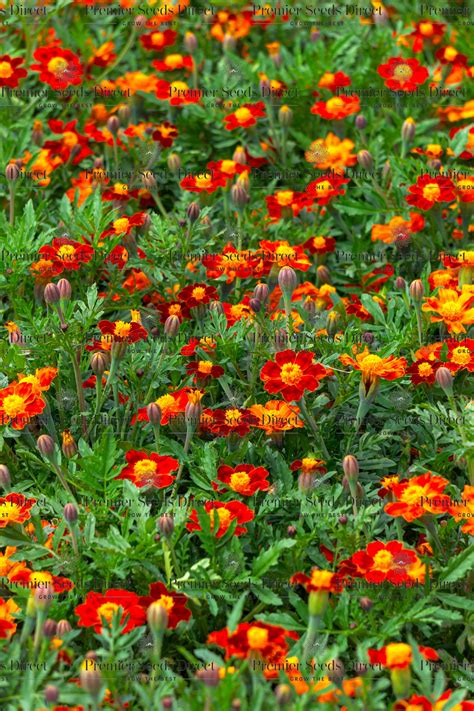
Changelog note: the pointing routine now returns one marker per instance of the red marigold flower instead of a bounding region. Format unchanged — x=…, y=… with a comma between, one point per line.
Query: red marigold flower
x=450, y=55
x=58, y=67
x=380, y=562
x=8, y=623
x=165, y=134
x=10, y=72
x=124, y=224
x=204, y=369
x=426, y=31
x=18, y=403
x=419, y=496
x=228, y=168
x=171, y=405
x=232, y=263
x=174, y=603
x=41, y=380
x=32, y=579
x=222, y=516
x=460, y=355
x=173, y=308
x=71, y=139
x=398, y=655
x=292, y=374
x=324, y=189
x=244, y=479
x=337, y=108
x=333, y=81
x=251, y=638
x=122, y=331
x=15, y=508
x=309, y=465
x=206, y=344
x=68, y=253
x=464, y=510
x=281, y=254
x=149, y=469
x=207, y=182
x=244, y=116
x=403, y=74
x=156, y=41
x=98, y=609
x=320, y=245
x=464, y=189
x=173, y=62
x=318, y=581
x=197, y=294
x=286, y=204
x=423, y=371
x=429, y=191
x=233, y=420
x=177, y=93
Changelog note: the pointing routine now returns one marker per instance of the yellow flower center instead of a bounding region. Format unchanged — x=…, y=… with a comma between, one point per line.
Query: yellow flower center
x=107, y=610
x=70, y=139
x=291, y=373
x=120, y=188
x=450, y=54
x=227, y=166
x=335, y=104
x=451, y=311
x=66, y=252
x=144, y=468
x=157, y=39
x=467, y=257
x=308, y=464
x=461, y=355
x=173, y=60
x=37, y=578
x=204, y=181
x=284, y=197
x=13, y=405
x=257, y=638
x=165, y=402
x=412, y=494
x=232, y=417
x=9, y=510
x=175, y=310
x=57, y=65
x=239, y=481
x=122, y=329
x=198, y=293
x=319, y=242
x=205, y=366
x=223, y=518
x=425, y=370
x=370, y=364
x=324, y=188
x=121, y=225
x=402, y=73
x=243, y=114
x=179, y=87
x=321, y=579
x=431, y=192
x=166, y=601
x=5, y=70
x=398, y=653
x=426, y=29
x=383, y=560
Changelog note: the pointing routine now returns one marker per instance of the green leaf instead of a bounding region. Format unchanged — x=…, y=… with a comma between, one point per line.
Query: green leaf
x=268, y=558
x=236, y=613
x=459, y=567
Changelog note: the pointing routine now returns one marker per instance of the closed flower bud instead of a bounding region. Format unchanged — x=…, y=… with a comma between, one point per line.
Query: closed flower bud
x=240, y=155
x=193, y=211
x=408, y=130
x=314, y=36
x=243, y=181
x=90, y=677
x=209, y=677
x=435, y=165
x=217, y=307
x=166, y=525
x=49, y=628
x=283, y=694
x=368, y=337
x=99, y=363
x=65, y=289
x=287, y=280
x=51, y=293
x=51, y=694
x=309, y=305
x=343, y=520
x=43, y=597
x=417, y=291
x=387, y=170
x=281, y=339
x=157, y=617
x=360, y=122
x=336, y=671
x=305, y=482
x=113, y=124
x=239, y=195
x=400, y=283
x=444, y=379
x=140, y=21
x=174, y=162
x=323, y=274
x=366, y=604
x=153, y=412
x=228, y=43
x=12, y=173
x=69, y=447
x=365, y=160
x=172, y=326
x=63, y=629
x=167, y=702
x=265, y=87
x=192, y=413
x=124, y=114
x=5, y=479
x=261, y=292
x=37, y=135
x=70, y=513
x=332, y=323
x=255, y=305
x=148, y=180
x=285, y=116
x=351, y=467
x=291, y=531
x=45, y=445
x=190, y=42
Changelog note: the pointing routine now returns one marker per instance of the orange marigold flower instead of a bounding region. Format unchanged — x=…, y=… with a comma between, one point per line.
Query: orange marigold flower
x=8, y=608
x=222, y=515
x=97, y=610
x=10, y=71
x=333, y=81
x=419, y=496
x=318, y=581
x=277, y=416
x=398, y=229
x=244, y=479
x=232, y=263
x=464, y=189
x=138, y=81
x=380, y=562
x=103, y=55
x=245, y=116
x=464, y=511
x=175, y=603
x=123, y=332
x=309, y=465
x=251, y=638
x=452, y=308
x=171, y=405
x=292, y=374
x=374, y=367
x=41, y=380
x=450, y=55
x=149, y=469
x=430, y=191
x=15, y=508
x=237, y=24
x=460, y=355
x=326, y=188
x=403, y=74
x=58, y=67
x=18, y=403
x=281, y=253
x=172, y=62
x=286, y=204
x=337, y=108
x=67, y=253
x=33, y=579
x=207, y=182
x=331, y=153
x=177, y=93
x=426, y=31
x=398, y=655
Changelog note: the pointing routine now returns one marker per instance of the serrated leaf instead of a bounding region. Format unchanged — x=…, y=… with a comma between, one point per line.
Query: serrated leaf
x=268, y=558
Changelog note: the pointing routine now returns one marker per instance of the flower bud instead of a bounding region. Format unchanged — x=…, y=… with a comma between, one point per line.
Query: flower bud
x=193, y=211
x=305, y=482
x=12, y=173
x=323, y=275
x=343, y=520
x=360, y=122
x=287, y=280
x=172, y=326
x=49, y=628
x=157, y=617
x=113, y=125
x=65, y=289
x=400, y=283
x=209, y=677
x=314, y=36
x=281, y=339
x=417, y=290
x=124, y=114
x=140, y=21
x=285, y=116
x=45, y=445
x=51, y=694
x=37, y=135
x=386, y=171
x=190, y=42
x=255, y=305
x=283, y=694
x=174, y=162
x=69, y=447
x=351, y=467
x=365, y=160
x=63, y=629
x=217, y=307
x=166, y=525
x=309, y=305
x=336, y=671
x=243, y=181
x=408, y=130
x=43, y=597
x=368, y=337
x=51, y=293
x=239, y=195
x=192, y=413
x=261, y=292
x=240, y=155
x=153, y=412
x=5, y=479
x=99, y=363
x=228, y=43
x=70, y=513
x=444, y=379
x=332, y=323
x=148, y=180
x=90, y=677
x=366, y=604
x=291, y=531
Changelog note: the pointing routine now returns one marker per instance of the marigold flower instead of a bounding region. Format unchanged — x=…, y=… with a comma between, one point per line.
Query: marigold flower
x=10, y=71
x=464, y=189
x=244, y=479
x=460, y=355
x=333, y=81
x=309, y=465
x=430, y=191
x=398, y=230
x=277, y=416
x=320, y=245
x=380, y=562
x=286, y=204
x=8, y=625
x=67, y=253
x=331, y=153
x=450, y=55
x=222, y=515
x=98, y=609
x=149, y=469
x=232, y=263
x=252, y=638
x=292, y=374
x=425, y=31
x=172, y=62
x=398, y=655
x=423, y=371
x=207, y=182
x=103, y=55
x=177, y=93
x=204, y=369
x=72, y=146
x=337, y=108
x=374, y=367
x=58, y=67
x=174, y=603
x=18, y=403
x=41, y=380
x=206, y=344
x=232, y=420
x=419, y=496
x=156, y=41
x=452, y=308
x=464, y=511
x=165, y=134
x=403, y=74
x=245, y=116
x=324, y=189
x=34, y=579
x=123, y=332
x=195, y=295
x=280, y=253
x=318, y=581
x=15, y=508
x=171, y=405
